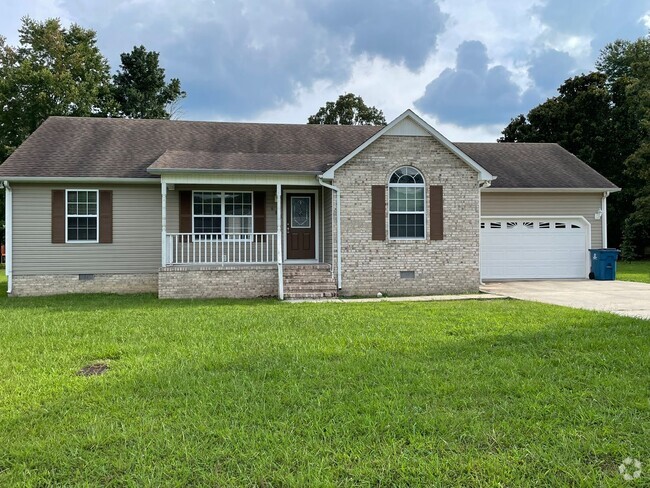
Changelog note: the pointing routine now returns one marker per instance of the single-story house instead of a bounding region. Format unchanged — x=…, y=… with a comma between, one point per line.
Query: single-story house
x=210, y=209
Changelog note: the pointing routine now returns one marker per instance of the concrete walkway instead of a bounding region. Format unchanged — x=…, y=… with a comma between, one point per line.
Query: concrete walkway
x=619, y=297
x=427, y=298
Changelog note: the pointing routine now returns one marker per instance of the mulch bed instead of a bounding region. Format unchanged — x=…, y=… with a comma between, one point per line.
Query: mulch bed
x=93, y=369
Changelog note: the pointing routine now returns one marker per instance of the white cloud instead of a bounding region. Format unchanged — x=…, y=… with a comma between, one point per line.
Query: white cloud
x=577, y=46
x=280, y=60
x=12, y=12
x=646, y=19
x=505, y=26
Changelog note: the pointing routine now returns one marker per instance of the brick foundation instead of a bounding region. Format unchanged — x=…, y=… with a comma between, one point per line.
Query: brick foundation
x=40, y=285
x=218, y=281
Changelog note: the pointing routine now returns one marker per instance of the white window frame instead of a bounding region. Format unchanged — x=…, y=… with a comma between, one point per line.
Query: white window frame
x=424, y=203
x=96, y=216
x=222, y=235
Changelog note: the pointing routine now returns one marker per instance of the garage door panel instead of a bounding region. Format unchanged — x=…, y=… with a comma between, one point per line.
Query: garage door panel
x=533, y=248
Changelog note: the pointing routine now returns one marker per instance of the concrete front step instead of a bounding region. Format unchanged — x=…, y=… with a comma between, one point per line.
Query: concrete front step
x=307, y=266
x=321, y=276
x=308, y=281
x=310, y=296
x=315, y=267
x=309, y=288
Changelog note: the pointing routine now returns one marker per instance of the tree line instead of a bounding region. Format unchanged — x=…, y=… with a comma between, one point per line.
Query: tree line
x=603, y=117
x=61, y=71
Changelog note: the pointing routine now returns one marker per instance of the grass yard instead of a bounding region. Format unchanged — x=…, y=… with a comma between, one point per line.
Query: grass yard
x=262, y=393
x=633, y=271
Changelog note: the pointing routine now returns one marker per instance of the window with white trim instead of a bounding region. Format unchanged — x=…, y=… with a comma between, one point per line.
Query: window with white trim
x=223, y=214
x=81, y=215
x=406, y=207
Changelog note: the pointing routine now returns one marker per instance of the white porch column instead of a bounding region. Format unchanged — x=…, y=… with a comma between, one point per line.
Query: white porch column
x=163, y=191
x=278, y=211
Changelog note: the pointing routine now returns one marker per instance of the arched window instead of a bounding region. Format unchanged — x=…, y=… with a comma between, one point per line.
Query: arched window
x=406, y=215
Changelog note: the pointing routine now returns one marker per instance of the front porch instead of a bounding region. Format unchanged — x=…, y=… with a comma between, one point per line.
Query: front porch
x=236, y=240
x=189, y=249
x=299, y=281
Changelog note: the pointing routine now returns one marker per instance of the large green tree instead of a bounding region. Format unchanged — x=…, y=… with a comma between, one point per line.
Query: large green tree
x=140, y=89
x=53, y=71
x=60, y=71
x=627, y=66
x=603, y=117
x=349, y=109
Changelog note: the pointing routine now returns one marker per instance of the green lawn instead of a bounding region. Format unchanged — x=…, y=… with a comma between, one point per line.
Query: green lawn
x=263, y=393
x=633, y=271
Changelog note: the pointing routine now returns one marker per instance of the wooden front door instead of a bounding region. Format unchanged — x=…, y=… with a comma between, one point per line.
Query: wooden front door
x=301, y=226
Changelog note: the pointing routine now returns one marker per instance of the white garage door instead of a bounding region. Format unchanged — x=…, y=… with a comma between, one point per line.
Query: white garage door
x=533, y=248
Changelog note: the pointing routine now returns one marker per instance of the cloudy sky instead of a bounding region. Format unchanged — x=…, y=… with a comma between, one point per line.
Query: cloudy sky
x=467, y=66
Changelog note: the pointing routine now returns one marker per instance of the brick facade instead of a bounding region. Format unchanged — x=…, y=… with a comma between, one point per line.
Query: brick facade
x=218, y=281
x=450, y=265
x=40, y=285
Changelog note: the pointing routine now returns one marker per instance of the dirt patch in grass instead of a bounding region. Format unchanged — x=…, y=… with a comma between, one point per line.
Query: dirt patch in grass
x=93, y=369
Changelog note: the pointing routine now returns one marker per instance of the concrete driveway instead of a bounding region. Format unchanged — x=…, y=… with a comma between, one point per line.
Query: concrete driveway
x=620, y=297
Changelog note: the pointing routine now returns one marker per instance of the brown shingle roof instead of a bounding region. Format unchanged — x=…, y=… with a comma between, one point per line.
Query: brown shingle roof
x=206, y=160
x=533, y=165
x=120, y=148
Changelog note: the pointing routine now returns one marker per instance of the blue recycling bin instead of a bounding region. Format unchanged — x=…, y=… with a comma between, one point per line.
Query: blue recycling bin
x=603, y=263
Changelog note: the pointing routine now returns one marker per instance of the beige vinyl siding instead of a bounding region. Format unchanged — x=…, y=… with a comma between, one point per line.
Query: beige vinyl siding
x=271, y=207
x=545, y=204
x=136, y=233
x=173, y=211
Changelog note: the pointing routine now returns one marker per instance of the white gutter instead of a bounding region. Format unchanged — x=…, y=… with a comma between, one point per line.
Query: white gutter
x=83, y=179
x=338, y=229
x=548, y=190
x=603, y=218
x=162, y=171
x=9, y=235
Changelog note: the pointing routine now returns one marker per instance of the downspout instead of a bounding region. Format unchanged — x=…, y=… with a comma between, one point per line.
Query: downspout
x=9, y=236
x=481, y=184
x=338, y=228
x=603, y=218
x=163, y=193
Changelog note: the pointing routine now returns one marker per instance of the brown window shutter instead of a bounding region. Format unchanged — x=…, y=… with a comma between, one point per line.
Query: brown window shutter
x=185, y=222
x=58, y=216
x=378, y=213
x=435, y=210
x=259, y=212
x=105, y=216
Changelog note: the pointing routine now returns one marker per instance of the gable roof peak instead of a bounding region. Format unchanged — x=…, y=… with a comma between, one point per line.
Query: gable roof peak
x=408, y=113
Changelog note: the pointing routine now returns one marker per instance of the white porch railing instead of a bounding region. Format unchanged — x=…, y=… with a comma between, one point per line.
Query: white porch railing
x=190, y=249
